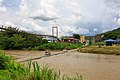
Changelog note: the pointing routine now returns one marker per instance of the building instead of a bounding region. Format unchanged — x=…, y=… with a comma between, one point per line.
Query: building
x=50, y=39
x=82, y=39
x=69, y=39
x=73, y=40
x=110, y=42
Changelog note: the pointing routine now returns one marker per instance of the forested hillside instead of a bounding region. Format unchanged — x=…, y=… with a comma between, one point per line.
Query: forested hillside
x=114, y=34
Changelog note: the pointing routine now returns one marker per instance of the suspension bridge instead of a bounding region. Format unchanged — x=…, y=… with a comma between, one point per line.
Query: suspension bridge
x=52, y=36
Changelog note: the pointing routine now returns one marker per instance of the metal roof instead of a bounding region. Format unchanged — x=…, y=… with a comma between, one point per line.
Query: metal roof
x=110, y=40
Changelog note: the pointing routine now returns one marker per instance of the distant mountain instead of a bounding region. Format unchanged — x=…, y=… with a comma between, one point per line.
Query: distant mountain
x=114, y=34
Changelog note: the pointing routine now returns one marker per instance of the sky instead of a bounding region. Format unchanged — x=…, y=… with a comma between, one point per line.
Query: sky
x=84, y=17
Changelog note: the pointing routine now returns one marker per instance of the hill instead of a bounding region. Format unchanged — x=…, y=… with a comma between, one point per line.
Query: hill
x=114, y=34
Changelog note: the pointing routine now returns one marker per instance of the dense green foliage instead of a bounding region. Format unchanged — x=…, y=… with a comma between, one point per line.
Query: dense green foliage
x=13, y=38
x=114, y=34
x=4, y=60
x=77, y=36
x=10, y=70
x=57, y=46
x=30, y=71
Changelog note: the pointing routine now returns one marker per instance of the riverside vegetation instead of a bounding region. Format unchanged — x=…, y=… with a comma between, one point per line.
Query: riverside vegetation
x=11, y=70
x=14, y=39
x=109, y=50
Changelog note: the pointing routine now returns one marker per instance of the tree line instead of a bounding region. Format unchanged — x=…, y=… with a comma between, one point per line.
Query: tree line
x=13, y=38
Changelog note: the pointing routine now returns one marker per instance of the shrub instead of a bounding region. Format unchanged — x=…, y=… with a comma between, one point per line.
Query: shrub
x=30, y=71
x=103, y=50
x=13, y=38
x=57, y=46
x=4, y=60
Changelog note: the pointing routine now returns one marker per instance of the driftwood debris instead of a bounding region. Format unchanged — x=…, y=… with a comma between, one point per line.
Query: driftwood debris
x=47, y=53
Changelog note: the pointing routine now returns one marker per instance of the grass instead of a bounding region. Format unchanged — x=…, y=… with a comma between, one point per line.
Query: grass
x=57, y=46
x=4, y=60
x=110, y=50
x=29, y=71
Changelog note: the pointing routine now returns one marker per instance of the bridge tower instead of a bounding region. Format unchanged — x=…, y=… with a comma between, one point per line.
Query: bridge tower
x=55, y=31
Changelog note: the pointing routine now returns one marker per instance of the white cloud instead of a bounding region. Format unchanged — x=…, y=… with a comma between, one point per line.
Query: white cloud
x=75, y=16
x=39, y=9
x=32, y=23
x=95, y=29
x=119, y=21
x=2, y=8
x=10, y=24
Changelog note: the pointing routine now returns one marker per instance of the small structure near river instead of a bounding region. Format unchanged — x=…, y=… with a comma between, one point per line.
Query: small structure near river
x=110, y=42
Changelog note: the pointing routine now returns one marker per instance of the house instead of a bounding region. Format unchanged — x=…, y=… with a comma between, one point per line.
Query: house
x=69, y=39
x=73, y=40
x=110, y=42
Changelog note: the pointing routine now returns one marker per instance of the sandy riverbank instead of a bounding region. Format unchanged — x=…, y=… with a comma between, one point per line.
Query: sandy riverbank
x=91, y=66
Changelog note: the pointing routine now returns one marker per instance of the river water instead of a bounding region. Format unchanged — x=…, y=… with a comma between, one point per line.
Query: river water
x=90, y=66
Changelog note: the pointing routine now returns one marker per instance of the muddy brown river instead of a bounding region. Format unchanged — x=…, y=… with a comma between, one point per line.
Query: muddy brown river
x=90, y=66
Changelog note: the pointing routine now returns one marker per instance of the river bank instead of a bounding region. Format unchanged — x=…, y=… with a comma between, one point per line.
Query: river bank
x=90, y=66
x=109, y=50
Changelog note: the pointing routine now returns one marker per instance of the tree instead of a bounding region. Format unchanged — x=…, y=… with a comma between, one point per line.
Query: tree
x=13, y=38
x=77, y=36
x=17, y=41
